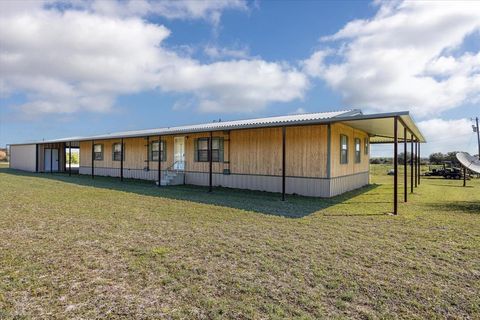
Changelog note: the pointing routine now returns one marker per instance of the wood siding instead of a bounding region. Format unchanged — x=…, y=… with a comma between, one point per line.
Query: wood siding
x=135, y=153
x=351, y=167
x=307, y=151
x=195, y=166
x=256, y=151
x=249, y=152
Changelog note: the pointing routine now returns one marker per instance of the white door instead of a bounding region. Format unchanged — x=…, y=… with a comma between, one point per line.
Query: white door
x=179, y=153
x=51, y=160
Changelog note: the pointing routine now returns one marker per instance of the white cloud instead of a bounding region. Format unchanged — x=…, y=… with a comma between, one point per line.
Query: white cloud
x=404, y=58
x=442, y=136
x=71, y=60
x=216, y=52
x=210, y=10
x=438, y=133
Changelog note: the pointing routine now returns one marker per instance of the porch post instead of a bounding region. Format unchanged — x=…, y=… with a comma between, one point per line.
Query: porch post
x=411, y=162
x=405, y=184
x=419, y=162
x=148, y=158
x=159, y=161
x=64, y=144
x=121, y=160
x=210, y=153
x=329, y=150
x=93, y=159
x=70, y=158
x=284, y=133
x=395, y=165
x=36, y=158
x=464, y=177
x=416, y=161
x=51, y=160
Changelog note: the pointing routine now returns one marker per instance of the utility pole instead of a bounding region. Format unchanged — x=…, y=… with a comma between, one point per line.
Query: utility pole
x=478, y=137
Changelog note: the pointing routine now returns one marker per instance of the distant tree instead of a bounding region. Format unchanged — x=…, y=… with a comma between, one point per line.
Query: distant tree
x=75, y=158
x=381, y=160
x=452, y=156
x=401, y=156
x=436, y=158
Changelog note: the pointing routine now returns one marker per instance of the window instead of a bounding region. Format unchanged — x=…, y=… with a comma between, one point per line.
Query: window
x=117, y=152
x=358, y=150
x=98, y=152
x=365, y=146
x=343, y=149
x=201, y=150
x=154, y=151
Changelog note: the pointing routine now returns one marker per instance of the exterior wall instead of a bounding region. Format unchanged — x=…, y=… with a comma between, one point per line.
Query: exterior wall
x=61, y=155
x=192, y=166
x=351, y=167
x=257, y=151
x=254, y=159
x=339, y=185
x=311, y=187
x=135, y=164
x=22, y=157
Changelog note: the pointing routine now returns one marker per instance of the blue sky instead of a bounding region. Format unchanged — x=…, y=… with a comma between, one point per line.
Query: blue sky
x=82, y=68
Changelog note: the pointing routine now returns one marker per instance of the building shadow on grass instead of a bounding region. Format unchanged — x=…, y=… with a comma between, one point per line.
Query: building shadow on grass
x=270, y=203
x=471, y=207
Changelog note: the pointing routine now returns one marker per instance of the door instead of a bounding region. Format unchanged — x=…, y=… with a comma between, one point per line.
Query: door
x=179, y=153
x=51, y=160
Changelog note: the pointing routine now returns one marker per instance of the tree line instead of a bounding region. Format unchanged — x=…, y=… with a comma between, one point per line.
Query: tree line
x=434, y=158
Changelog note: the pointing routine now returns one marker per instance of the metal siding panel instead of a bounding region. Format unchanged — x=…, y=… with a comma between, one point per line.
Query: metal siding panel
x=23, y=157
x=85, y=170
x=339, y=185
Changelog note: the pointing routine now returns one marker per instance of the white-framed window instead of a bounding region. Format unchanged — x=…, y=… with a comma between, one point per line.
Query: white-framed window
x=155, y=151
x=358, y=150
x=201, y=149
x=343, y=149
x=117, y=152
x=98, y=152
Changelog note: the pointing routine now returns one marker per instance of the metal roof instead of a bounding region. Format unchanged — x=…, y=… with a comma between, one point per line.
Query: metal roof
x=375, y=124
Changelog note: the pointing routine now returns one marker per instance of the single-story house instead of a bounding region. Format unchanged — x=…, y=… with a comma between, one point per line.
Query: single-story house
x=316, y=154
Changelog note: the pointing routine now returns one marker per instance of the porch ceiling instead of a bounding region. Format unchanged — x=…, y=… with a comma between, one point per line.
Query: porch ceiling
x=381, y=129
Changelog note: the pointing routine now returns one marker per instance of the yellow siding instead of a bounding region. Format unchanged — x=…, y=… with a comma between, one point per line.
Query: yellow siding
x=253, y=151
x=351, y=167
x=191, y=165
x=259, y=151
x=256, y=151
x=306, y=148
x=135, y=153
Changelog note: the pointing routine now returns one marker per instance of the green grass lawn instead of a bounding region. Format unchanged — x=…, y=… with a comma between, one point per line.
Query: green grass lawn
x=73, y=247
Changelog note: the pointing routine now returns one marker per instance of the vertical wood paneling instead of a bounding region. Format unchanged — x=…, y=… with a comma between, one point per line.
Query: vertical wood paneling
x=351, y=167
x=192, y=165
x=254, y=151
x=85, y=153
x=307, y=151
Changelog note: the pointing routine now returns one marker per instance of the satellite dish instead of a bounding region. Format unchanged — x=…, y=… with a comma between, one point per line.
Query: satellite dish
x=468, y=161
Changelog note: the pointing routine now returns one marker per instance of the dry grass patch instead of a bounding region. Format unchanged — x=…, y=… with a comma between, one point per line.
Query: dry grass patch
x=77, y=248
